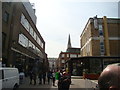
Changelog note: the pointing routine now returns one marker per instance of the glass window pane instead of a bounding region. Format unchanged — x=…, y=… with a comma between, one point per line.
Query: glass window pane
x=63, y=61
x=31, y=31
x=73, y=55
x=23, y=40
x=100, y=27
x=35, y=35
x=25, y=22
x=5, y=16
x=101, y=33
x=67, y=55
x=63, y=55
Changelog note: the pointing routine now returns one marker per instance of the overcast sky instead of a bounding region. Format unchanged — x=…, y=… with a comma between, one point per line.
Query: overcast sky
x=56, y=19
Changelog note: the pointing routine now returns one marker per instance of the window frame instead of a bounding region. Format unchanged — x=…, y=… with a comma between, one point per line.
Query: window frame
x=5, y=17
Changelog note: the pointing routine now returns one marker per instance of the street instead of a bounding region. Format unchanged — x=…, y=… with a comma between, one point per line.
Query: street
x=71, y=41
x=81, y=84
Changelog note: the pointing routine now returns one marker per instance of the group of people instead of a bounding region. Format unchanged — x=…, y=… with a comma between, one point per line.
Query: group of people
x=41, y=77
x=108, y=80
x=58, y=78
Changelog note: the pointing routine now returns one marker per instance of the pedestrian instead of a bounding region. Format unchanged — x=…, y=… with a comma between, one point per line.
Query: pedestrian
x=31, y=76
x=110, y=78
x=57, y=77
x=21, y=76
x=34, y=78
x=60, y=78
x=53, y=78
x=64, y=82
x=49, y=76
x=44, y=77
x=40, y=77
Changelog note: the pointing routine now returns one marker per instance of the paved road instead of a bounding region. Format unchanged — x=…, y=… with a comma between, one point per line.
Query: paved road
x=80, y=84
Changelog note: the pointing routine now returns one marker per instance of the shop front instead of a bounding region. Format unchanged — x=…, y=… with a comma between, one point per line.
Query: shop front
x=89, y=65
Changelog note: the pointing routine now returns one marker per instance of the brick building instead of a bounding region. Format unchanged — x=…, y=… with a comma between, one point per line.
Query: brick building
x=100, y=42
x=52, y=63
x=101, y=37
x=71, y=52
x=22, y=43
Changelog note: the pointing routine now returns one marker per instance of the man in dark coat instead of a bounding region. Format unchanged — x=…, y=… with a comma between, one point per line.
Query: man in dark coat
x=64, y=82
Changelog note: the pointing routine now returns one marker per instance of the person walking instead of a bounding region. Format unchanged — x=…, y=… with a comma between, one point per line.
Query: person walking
x=57, y=76
x=31, y=76
x=34, y=78
x=49, y=76
x=53, y=78
x=44, y=77
x=21, y=76
x=40, y=77
x=64, y=82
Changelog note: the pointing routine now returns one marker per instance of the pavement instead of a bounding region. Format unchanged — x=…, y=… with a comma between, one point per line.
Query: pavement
x=26, y=84
x=77, y=83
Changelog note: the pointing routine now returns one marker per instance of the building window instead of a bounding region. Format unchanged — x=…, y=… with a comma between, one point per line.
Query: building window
x=23, y=40
x=31, y=31
x=63, y=61
x=37, y=50
x=100, y=32
x=73, y=55
x=5, y=17
x=35, y=35
x=101, y=47
x=67, y=55
x=42, y=45
x=79, y=55
x=38, y=40
x=30, y=44
x=63, y=55
x=100, y=27
x=22, y=19
x=33, y=46
x=101, y=43
x=102, y=52
x=24, y=22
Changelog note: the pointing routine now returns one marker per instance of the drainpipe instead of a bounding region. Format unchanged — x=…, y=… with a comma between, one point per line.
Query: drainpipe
x=106, y=37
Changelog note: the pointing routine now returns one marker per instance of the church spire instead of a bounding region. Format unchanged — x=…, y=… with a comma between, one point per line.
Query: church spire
x=69, y=42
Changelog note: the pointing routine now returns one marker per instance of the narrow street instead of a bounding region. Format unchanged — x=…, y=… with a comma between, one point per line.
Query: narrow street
x=59, y=40
x=81, y=84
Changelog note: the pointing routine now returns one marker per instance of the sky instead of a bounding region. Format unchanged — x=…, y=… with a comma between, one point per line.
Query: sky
x=56, y=19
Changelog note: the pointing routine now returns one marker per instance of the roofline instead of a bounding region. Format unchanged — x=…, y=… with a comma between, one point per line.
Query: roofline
x=85, y=26
x=97, y=18
x=97, y=57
